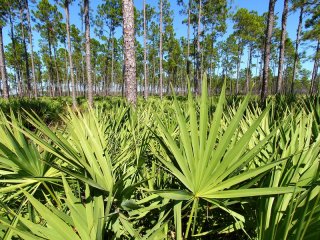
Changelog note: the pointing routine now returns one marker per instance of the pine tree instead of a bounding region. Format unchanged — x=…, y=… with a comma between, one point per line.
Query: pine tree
x=265, y=78
x=3, y=15
x=282, y=45
x=88, y=53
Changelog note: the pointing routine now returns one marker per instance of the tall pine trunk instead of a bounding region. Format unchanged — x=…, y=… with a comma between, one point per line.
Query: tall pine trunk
x=106, y=69
x=73, y=85
x=238, y=67
x=282, y=45
x=16, y=65
x=112, y=59
x=265, y=74
x=88, y=55
x=129, y=51
x=25, y=54
x=296, y=54
x=35, y=89
x=5, y=88
x=58, y=86
x=188, y=39
x=50, y=82
x=314, y=82
x=248, y=74
x=160, y=52
x=146, y=86
x=197, y=76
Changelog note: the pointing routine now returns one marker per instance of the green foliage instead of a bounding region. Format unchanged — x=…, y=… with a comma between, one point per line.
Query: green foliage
x=46, y=108
x=173, y=169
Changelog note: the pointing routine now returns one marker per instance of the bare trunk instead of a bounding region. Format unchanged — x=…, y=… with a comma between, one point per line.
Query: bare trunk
x=66, y=88
x=197, y=77
x=160, y=52
x=146, y=86
x=25, y=55
x=238, y=67
x=248, y=77
x=314, y=82
x=5, y=87
x=112, y=58
x=88, y=55
x=154, y=75
x=296, y=55
x=129, y=51
x=16, y=65
x=73, y=86
x=58, y=83
x=265, y=75
x=106, y=82
x=50, y=84
x=35, y=89
x=188, y=39
x=282, y=45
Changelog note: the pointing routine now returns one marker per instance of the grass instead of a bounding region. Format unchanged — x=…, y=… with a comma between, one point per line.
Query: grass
x=200, y=168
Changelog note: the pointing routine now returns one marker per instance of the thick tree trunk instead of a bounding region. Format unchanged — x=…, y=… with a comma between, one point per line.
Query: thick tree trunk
x=296, y=55
x=73, y=85
x=265, y=75
x=160, y=52
x=129, y=51
x=5, y=87
x=35, y=89
x=146, y=86
x=25, y=55
x=314, y=82
x=88, y=55
x=282, y=45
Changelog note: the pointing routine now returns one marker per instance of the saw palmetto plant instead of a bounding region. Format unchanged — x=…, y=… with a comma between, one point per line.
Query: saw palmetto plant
x=175, y=169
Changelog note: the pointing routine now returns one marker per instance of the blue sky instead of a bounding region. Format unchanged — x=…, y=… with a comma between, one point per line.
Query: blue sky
x=260, y=6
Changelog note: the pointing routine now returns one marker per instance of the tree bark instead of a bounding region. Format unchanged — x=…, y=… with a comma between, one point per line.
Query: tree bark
x=73, y=86
x=35, y=89
x=160, y=53
x=88, y=55
x=5, y=87
x=265, y=75
x=146, y=86
x=129, y=51
x=282, y=45
x=296, y=54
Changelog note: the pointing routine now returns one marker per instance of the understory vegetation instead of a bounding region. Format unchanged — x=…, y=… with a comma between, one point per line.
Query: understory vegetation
x=196, y=167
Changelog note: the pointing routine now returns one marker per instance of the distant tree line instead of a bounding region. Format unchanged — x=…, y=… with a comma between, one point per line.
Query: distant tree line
x=70, y=62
